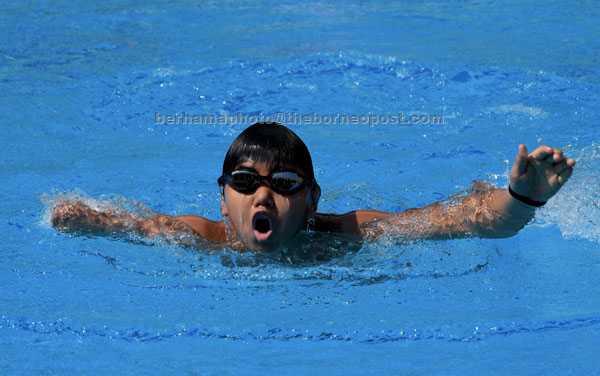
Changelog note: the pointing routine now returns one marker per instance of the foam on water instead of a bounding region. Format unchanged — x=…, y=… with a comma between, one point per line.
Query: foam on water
x=576, y=209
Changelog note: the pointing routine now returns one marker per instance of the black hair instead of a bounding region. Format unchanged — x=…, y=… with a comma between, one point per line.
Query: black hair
x=272, y=144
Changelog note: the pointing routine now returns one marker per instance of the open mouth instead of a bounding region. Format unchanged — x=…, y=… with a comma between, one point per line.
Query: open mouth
x=262, y=227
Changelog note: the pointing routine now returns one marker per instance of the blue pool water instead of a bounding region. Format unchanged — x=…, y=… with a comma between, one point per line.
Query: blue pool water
x=82, y=84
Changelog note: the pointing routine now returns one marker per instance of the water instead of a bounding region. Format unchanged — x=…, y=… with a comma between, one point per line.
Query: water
x=82, y=85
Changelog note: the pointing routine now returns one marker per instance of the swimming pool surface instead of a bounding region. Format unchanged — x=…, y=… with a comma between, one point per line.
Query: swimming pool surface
x=81, y=86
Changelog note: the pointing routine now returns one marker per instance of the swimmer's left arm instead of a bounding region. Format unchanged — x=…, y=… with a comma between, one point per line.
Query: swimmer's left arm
x=490, y=213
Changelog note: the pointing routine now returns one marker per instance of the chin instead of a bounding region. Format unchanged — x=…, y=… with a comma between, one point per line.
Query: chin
x=253, y=246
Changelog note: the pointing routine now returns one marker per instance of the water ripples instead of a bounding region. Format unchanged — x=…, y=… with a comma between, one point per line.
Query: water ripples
x=449, y=333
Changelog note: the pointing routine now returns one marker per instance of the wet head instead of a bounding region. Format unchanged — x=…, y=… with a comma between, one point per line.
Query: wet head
x=265, y=218
x=268, y=186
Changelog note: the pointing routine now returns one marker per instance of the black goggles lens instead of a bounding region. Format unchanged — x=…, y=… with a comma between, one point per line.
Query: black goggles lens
x=248, y=181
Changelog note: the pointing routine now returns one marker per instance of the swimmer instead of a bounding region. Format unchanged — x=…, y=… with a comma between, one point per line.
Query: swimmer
x=270, y=196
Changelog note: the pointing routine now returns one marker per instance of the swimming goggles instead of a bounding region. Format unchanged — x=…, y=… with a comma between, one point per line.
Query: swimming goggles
x=285, y=182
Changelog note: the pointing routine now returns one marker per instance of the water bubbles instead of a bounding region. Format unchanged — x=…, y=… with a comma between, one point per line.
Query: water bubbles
x=576, y=207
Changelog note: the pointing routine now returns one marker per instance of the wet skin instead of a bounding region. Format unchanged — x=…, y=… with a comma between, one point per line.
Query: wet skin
x=264, y=220
x=249, y=213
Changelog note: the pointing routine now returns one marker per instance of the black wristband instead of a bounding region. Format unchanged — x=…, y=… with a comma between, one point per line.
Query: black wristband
x=524, y=199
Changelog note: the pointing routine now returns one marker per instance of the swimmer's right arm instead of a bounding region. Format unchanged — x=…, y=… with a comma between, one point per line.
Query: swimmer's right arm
x=75, y=216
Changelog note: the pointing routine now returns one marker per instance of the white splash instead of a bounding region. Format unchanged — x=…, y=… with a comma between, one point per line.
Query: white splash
x=576, y=208
x=519, y=108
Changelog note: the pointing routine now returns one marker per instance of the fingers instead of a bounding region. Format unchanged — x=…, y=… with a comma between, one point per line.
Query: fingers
x=520, y=164
x=548, y=154
x=564, y=176
x=65, y=212
x=555, y=157
x=565, y=163
x=541, y=153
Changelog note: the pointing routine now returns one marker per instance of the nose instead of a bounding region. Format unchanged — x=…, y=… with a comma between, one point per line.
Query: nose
x=263, y=196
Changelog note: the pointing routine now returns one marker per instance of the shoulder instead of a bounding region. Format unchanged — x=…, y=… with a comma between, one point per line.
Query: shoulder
x=213, y=231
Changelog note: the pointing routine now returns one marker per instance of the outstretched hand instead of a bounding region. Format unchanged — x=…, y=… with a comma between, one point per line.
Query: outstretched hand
x=539, y=175
x=76, y=216
x=68, y=214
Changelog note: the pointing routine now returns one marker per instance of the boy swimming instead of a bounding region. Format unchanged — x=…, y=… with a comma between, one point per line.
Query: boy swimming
x=270, y=195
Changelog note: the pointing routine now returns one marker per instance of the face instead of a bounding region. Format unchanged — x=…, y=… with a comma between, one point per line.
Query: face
x=265, y=220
